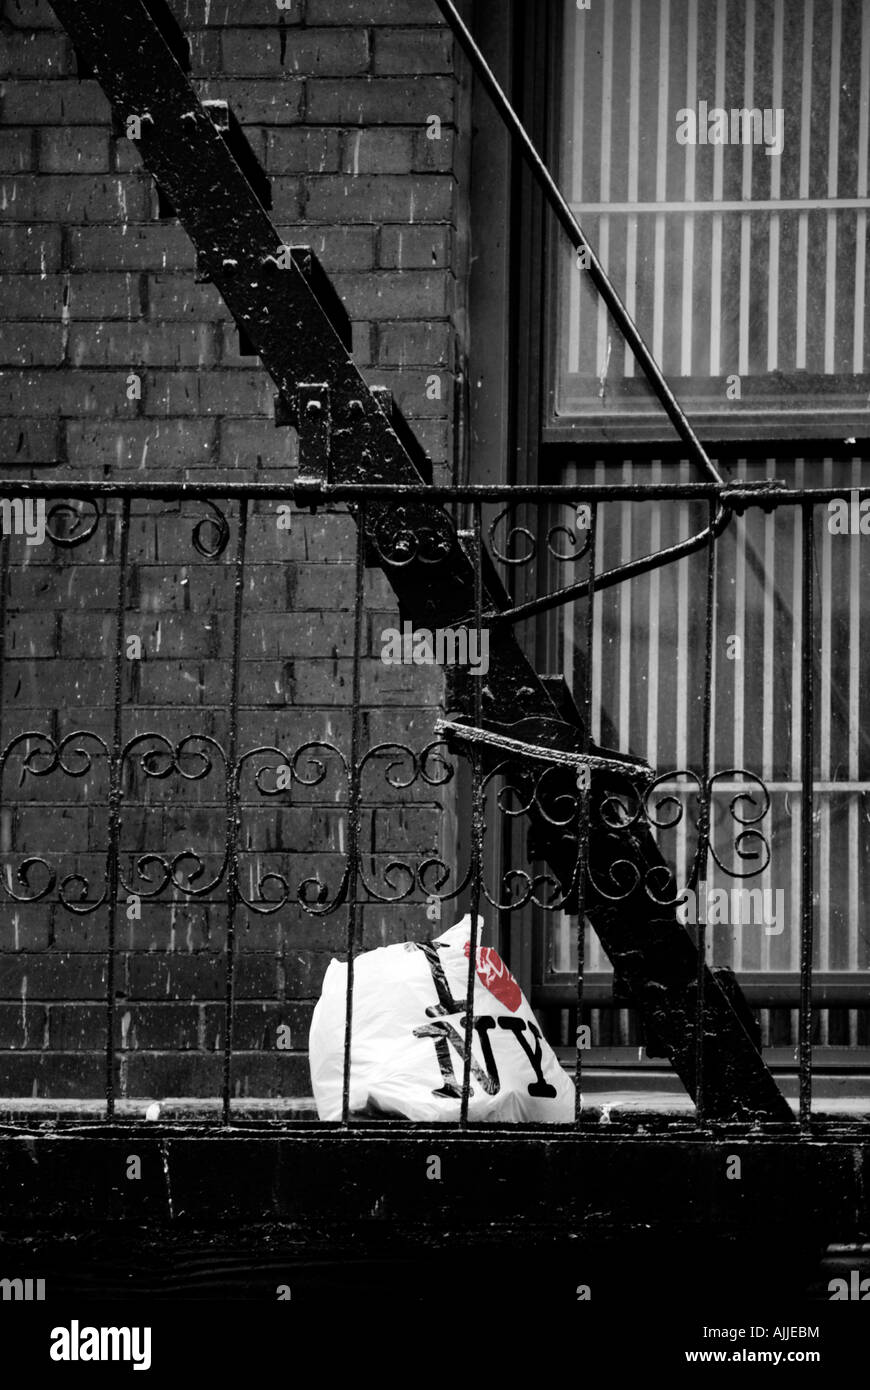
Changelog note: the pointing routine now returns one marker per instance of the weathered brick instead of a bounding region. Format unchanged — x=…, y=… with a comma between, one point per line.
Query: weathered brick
x=223, y=14
x=338, y=248
x=308, y=585
x=24, y=441
x=31, y=344
x=415, y=344
x=16, y=151
x=53, y=1075
x=434, y=437
x=205, y=53
x=373, y=12
x=415, y=248
x=74, y=150
x=183, y=588
x=31, y=634
x=53, y=103
x=155, y=447
x=412, y=294
x=399, y=51
x=51, y=826
x=286, y=1074
x=169, y=1074
x=434, y=156
x=259, y=103
x=82, y=1027
x=85, y=587
x=36, y=55
x=308, y=51
x=84, y=198
x=63, y=392
x=162, y=246
x=379, y=100
x=302, y=151
x=387, y=151
x=362, y=339
x=224, y=392
x=52, y=975
x=255, y=1026
x=304, y=973
x=257, y=444
x=25, y=682
x=139, y=345
x=22, y=1026
x=293, y=635
x=198, y=976
x=175, y=297
x=410, y=393
x=379, y=198
x=30, y=248
x=125, y=156
x=98, y=296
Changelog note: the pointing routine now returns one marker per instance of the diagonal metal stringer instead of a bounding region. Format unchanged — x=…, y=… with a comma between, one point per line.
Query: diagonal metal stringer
x=289, y=313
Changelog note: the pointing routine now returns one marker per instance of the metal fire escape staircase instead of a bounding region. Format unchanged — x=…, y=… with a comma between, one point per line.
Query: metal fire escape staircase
x=290, y=315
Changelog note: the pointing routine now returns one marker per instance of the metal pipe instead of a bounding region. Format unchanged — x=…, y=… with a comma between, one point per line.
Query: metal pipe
x=572, y=228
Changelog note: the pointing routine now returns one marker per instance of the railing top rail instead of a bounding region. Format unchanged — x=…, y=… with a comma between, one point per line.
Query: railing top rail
x=741, y=494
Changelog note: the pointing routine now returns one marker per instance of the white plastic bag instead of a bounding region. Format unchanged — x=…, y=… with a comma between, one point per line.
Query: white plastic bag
x=408, y=1038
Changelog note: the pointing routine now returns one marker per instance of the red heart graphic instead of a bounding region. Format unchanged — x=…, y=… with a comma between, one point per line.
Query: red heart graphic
x=495, y=976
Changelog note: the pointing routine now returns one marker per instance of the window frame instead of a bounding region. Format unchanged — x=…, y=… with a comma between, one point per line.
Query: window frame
x=720, y=430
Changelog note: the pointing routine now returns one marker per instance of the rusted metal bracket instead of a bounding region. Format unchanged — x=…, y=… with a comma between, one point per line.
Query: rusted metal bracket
x=285, y=306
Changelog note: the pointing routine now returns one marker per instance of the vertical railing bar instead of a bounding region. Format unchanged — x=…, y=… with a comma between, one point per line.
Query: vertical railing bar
x=353, y=808
x=861, y=192
x=767, y=686
x=717, y=231
x=653, y=755
x=4, y=572
x=604, y=181
x=682, y=701
x=794, y=733
x=740, y=602
x=805, y=1017
x=631, y=229
x=584, y=802
x=746, y=192
x=704, y=818
x=232, y=803
x=577, y=127
x=662, y=141
x=804, y=189
x=626, y=529
x=775, y=189
x=687, y=302
x=477, y=828
x=826, y=719
x=832, y=218
x=113, y=852
x=853, y=732
x=598, y=649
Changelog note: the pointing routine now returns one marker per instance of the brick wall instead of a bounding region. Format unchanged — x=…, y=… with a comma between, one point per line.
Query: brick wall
x=334, y=97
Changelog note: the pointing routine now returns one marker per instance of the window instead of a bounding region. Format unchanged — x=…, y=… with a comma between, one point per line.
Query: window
x=746, y=274
x=716, y=154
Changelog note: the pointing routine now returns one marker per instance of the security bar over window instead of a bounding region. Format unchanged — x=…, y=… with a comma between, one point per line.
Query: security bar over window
x=717, y=155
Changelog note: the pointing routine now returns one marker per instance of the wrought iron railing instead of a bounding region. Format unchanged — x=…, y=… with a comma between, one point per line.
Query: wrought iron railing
x=604, y=813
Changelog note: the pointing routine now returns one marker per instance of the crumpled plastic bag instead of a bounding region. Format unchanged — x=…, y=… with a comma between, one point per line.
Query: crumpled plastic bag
x=408, y=1038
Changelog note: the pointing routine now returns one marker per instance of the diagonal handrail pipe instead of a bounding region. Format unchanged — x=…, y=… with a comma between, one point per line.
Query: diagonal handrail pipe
x=618, y=311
